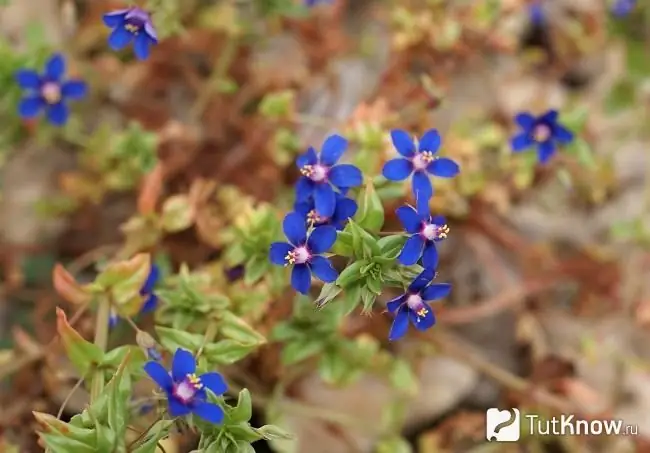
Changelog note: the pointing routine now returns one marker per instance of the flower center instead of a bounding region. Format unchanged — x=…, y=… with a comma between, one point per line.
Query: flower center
x=187, y=388
x=313, y=218
x=422, y=160
x=541, y=133
x=434, y=232
x=299, y=255
x=51, y=92
x=317, y=173
x=415, y=304
x=133, y=27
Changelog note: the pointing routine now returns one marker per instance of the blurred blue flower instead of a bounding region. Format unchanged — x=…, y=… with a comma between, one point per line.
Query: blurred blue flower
x=311, y=3
x=543, y=131
x=131, y=24
x=150, y=299
x=186, y=392
x=425, y=231
x=344, y=209
x=303, y=252
x=420, y=162
x=413, y=304
x=320, y=173
x=49, y=91
x=622, y=8
x=536, y=13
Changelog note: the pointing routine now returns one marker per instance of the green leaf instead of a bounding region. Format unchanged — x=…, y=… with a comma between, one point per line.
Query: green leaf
x=368, y=299
x=332, y=367
x=272, y=432
x=298, y=351
x=114, y=357
x=119, y=395
x=156, y=433
x=638, y=63
x=581, y=149
x=394, y=445
x=244, y=409
x=374, y=285
x=82, y=353
x=255, y=268
x=177, y=214
x=350, y=300
x=370, y=215
x=235, y=328
x=343, y=244
x=123, y=280
x=57, y=443
x=243, y=431
x=364, y=245
x=622, y=95
x=172, y=339
x=351, y=274
x=402, y=377
x=53, y=425
x=227, y=352
x=328, y=292
x=391, y=246
x=574, y=119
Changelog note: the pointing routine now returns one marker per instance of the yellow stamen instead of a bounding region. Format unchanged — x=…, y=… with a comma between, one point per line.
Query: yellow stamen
x=307, y=170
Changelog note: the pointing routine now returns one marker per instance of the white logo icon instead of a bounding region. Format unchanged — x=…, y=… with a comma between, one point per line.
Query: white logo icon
x=502, y=426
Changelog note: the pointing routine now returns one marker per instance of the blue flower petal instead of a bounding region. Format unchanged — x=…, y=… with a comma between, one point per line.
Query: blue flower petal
x=345, y=209
x=55, y=68
x=177, y=408
x=322, y=268
x=28, y=79
x=294, y=228
x=526, y=121
x=214, y=382
x=562, y=134
x=422, y=280
x=324, y=199
x=115, y=18
x=545, y=151
x=142, y=46
x=30, y=107
x=443, y=167
x=439, y=220
x=430, y=141
x=412, y=250
x=430, y=255
x=411, y=221
x=309, y=158
x=345, y=175
x=400, y=325
x=150, y=304
x=183, y=364
x=321, y=239
x=303, y=207
x=521, y=142
x=209, y=412
x=301, y=278
x=397, y=169
x=152, y=279
x=58, y=114
x=304, y=189
x=425, y=322
x=278, y=252
x=159, y=375
x=151, y=32
x=74, y=89
x=113, y=319
x=119, y=38
x=332, y=149
x=402, y=142
x=393, y=304
x=422, y=207
x=421, y=186
x=549, y=118
x=436, y=291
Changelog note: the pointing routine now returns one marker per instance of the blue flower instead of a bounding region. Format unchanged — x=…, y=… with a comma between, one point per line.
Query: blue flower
x=413, y=304
x=419, y=162
x=543, y=131
x=312, y=3
x=622, y=8
x=49, y=92
x=131, y=24
x=536, y=13
x=150, y=299
x=304, y=252
x=425, y=231
x=319, y=174
x=345, y=209
x=186, y=392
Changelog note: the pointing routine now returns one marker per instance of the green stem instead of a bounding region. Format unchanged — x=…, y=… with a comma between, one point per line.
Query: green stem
x=210, y=332
x=101, y=340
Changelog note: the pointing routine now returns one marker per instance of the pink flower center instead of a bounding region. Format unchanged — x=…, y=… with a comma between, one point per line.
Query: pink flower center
x=434, y=232
x=422, y=160
x=317, y=173
x=299, y=255
x=51, y=92
x=186, y=390
x=541, y=133
x=416, y=305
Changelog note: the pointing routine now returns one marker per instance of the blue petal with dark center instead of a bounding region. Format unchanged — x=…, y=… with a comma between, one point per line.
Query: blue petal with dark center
x=430, y=141
x=294, y=228
x=322, y=268
x=403, y=142
x=443, y=167
x=183, y=364
x=397, y=169
x=332, y=150
x=411, y=251
x=321, y=239
x=301, y=278
x=410, y=219
x=345, y=175
x=278, y=252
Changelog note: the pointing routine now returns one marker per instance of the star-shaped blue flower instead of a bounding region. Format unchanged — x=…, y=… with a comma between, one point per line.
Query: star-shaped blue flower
x=420, y=163
x=151, y=300
x=49, y=91
x=131, y=24
x=345, y=209
x=424, y=231
x=186, y=392
x=319, y=174
x=622, y=8
x=413, y=304
x=543, y=131
x=304, y=251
